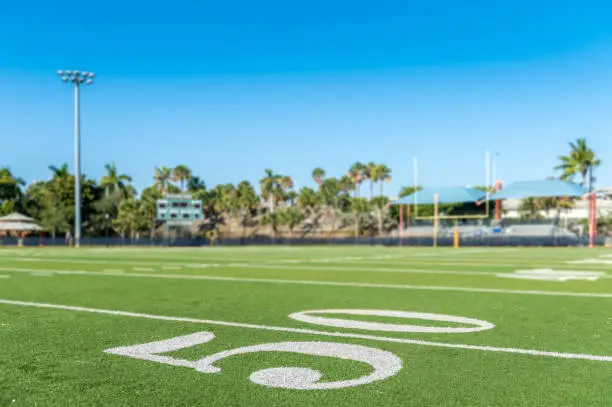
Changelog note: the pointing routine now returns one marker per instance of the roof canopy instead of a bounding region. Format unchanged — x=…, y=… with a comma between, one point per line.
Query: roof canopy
x=16, y=222
x=539, y=189
x=446, y=195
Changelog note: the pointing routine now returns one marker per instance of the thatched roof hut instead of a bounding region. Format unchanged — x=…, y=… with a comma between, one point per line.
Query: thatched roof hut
x=16, y=223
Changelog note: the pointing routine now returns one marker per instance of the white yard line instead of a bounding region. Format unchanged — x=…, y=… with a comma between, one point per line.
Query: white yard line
x=285, y=265
x=320, y=265
x=532, y=352
x=318, y=282
x=4, y=276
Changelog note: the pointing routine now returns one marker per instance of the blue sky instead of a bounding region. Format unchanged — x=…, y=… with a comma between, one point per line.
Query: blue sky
x=231, y=88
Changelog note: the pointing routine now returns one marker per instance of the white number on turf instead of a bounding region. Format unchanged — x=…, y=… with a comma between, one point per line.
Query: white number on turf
x=477, y=325
x=385, y=364
x=554, y=275
x=149, y=351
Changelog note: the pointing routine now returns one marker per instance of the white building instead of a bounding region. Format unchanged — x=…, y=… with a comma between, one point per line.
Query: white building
x=579, y=211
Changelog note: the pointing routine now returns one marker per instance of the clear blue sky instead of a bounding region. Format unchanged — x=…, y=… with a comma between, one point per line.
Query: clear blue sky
x=233, y=87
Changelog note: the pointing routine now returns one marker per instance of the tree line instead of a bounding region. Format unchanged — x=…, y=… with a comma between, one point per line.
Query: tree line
x=354, y=202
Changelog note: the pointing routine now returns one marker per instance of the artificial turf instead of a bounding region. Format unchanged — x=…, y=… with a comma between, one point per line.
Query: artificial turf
x=55, y=357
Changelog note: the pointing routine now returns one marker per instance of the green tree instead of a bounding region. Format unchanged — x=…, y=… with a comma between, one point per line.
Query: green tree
x=274, y=220
x=383, y=174
x=371, y=175
x=291, y=217
x=359, y=206
x=357, y=173
x=531, y=208
x=114, y=181
x=380, y=203
x=581, y=160
x=148, y=208
x=11, y=194
x=128, y=219
x=307, y=200
x=318, y=175
x=182, y=174
x=195, y=184
x=333, y=196
x=246, y=205
x=161, y=178
x=274, y=188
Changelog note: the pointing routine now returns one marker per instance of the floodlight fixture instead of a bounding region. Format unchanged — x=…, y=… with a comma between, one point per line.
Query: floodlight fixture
x=77, y=78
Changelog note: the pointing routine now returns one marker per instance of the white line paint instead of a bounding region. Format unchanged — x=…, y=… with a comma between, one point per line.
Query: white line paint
x=112, y=271
x=320, y=266
x=533, y=352
x=171, y=267
x=554, y=275
x=589, y=261
x=324, y=283
x=4, y=276
x=306, y=316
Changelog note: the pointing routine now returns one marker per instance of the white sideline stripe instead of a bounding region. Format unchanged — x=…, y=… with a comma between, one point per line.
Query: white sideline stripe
x=532, y=352
x=4, y=276
x=143, y=269
x=318, y=282
x=113, y=270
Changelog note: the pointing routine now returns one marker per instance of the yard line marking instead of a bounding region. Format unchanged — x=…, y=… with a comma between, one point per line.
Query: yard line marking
x=319, y=282
x=112, y=271
x=294, y=265
x=4, y=276
x=143, y=269
x=532, y=352
x=171, y=267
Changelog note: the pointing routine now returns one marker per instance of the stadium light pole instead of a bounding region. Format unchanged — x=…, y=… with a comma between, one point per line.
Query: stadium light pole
x=77, y=78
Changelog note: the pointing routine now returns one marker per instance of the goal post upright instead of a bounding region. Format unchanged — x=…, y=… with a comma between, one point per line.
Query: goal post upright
x=437, y=217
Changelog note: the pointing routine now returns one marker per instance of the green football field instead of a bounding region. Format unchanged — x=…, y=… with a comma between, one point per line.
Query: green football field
x=305, y=326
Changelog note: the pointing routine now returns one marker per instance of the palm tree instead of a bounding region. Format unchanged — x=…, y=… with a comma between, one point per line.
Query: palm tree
x=274, y=220
x=113, y=181
x=359, y=206
x=357, y=174
x=533, y=206
x=10, y=186
x=380, y=203
x=318, y=175
x=291, y=217
x=246, y=204
x=285, y=183
x=371, y=175
x=274, y=187
x=196, y=184
x=162, y=178
x=59, y=172
x=307, y=200
x=580, y=161
x=7, y=178
x=181, y=173
x=383, y=174
x=267, y=185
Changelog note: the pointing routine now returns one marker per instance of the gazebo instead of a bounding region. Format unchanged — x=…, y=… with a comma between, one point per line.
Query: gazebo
x=17, y=224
